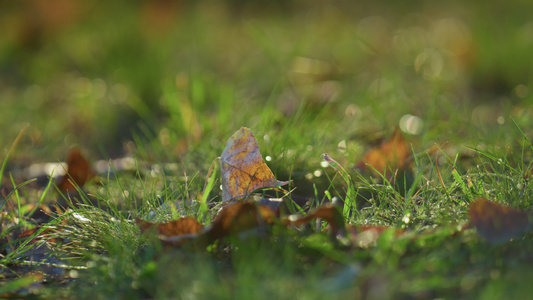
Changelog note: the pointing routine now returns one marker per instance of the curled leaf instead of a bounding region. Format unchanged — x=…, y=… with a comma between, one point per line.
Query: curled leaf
x=243, y=168
x=497, y=223
x=328, y=212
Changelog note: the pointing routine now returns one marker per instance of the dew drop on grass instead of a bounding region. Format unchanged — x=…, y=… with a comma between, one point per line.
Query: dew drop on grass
x=73, y=274
x=324, y=164
x=266, y=138
x=352, y=110
x=406, y=218
x=80, y=217
x=317, y=173
x=268, y=158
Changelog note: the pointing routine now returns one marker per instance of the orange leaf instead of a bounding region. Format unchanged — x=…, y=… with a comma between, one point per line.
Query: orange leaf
x=497, y=223
x=181, y=226
x=79, y=171
x=238, y=217
x=243, y=168
x=184, y=227
x=392, y=154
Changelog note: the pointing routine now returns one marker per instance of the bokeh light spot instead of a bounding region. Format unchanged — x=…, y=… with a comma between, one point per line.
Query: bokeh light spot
x=411, y=124
x=521, y=90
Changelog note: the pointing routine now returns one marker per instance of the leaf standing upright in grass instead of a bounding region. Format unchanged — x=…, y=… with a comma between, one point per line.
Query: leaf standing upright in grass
x=78, y=173
x=243, y=169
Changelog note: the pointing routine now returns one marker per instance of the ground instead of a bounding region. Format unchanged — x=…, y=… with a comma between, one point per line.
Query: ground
x=424, y=108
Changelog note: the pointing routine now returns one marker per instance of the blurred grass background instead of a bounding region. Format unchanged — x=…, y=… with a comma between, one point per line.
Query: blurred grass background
x=179, y=77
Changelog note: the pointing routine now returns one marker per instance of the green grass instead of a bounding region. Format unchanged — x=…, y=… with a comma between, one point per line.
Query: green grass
x=308, y=78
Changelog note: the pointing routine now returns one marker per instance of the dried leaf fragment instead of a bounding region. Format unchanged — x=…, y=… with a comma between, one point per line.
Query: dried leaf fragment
x=232, y=219
x=171, y=232
x=497, y=223
x=392, y=154
x=238, y=217
x=328, y=212
x=185, y=225
x=79, y=171
x=243, y=168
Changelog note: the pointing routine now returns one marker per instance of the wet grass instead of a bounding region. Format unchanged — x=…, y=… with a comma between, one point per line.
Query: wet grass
x=169, y=84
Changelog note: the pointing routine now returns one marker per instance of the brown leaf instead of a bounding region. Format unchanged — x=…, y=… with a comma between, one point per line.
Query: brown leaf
x=283, y=206
x=28, y=233
x=243, y=168
x=175, y=233
x=232, y=219
x=79, y=171
x=497, y=223
x=181, y=226
x=238, y=217
x=392, y=154
x=328, y=212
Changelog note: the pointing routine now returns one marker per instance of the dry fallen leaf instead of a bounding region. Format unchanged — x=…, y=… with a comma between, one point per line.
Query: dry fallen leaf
x=497, y=223
x=79, y=171
x=238, y=217
x=182, y=227
x=243, y=168
x=391, y=155
x=232, y=219
x=329, y=212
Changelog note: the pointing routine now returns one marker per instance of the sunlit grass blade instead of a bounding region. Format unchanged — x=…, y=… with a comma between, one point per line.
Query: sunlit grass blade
x=209, y=184
x=15, y=189
x=11, y=150
x=350, y=201
x=26, y=246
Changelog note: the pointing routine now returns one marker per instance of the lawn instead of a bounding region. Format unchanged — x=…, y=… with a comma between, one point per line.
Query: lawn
x=423, y=109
